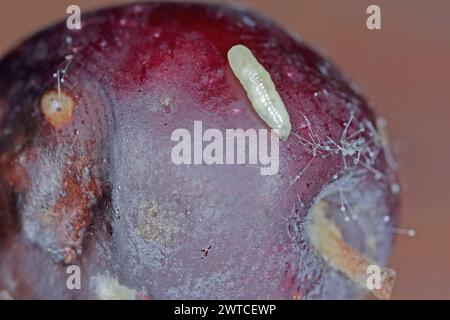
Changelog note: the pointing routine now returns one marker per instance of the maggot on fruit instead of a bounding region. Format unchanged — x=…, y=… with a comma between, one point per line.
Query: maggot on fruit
x=86, y=176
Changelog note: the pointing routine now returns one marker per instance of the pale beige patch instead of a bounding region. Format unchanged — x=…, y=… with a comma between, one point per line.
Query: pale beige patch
x=153, y=224
x=108, y=288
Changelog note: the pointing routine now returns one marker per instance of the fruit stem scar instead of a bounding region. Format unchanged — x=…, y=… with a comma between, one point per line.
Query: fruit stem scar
x=327, y=240
x=260, y=89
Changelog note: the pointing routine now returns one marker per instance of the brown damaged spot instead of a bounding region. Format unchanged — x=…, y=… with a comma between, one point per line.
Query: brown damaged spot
x=57, y=107
x=56, y=216
x=13, y=169
x=74, y=207
x=15, y=175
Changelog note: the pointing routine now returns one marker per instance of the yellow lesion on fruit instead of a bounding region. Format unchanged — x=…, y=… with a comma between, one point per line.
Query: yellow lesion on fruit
x=327, y=239
x=153, y=224
x=57, y=107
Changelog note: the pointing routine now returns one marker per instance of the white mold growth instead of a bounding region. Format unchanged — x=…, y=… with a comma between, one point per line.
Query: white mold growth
x=358, y=148
x=260, y=89
x=108, y=288
x=5, y=295
x=359, y=145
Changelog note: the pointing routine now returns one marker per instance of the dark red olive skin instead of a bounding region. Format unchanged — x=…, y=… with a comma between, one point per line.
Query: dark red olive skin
x=100, y=191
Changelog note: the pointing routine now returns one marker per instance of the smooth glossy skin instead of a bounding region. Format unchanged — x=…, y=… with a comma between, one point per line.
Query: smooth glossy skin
x=100, y=190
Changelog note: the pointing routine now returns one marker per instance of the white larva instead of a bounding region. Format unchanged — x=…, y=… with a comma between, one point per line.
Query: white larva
x=260, y=89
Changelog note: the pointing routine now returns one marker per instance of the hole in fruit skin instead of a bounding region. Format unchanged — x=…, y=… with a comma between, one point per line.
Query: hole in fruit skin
x=327, y=240
x=57, y=108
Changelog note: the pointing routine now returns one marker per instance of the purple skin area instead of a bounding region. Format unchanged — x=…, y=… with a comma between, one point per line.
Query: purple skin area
x=101, y=191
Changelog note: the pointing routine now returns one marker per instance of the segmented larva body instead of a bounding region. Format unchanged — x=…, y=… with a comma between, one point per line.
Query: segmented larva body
x=260, y=89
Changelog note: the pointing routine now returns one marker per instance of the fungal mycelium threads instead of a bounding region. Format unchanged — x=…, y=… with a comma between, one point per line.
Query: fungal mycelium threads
x=260, y=89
